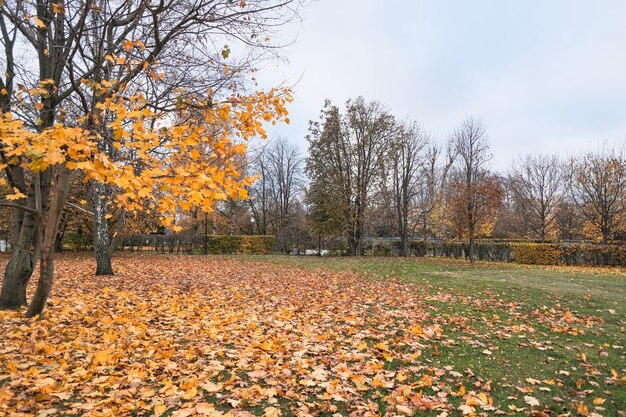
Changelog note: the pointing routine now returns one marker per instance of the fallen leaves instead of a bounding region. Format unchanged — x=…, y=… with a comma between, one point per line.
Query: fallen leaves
x=192, y=336
x=532, y=401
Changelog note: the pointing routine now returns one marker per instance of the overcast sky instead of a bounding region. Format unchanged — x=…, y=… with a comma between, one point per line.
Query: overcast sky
x=544, y=76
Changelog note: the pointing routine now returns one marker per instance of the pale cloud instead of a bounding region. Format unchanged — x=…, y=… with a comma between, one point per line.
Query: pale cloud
x=543, y=76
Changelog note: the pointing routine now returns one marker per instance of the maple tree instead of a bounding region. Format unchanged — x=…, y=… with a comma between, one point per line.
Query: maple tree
x=105, y=109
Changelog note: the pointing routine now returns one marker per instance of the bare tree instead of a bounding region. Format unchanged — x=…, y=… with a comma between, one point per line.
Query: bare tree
x=569, y=220
x=430, y=189
x=597, y=187
x=537, y=185
x=280, y=186
x=260, y=194
x=417, y=180
x=472, y=158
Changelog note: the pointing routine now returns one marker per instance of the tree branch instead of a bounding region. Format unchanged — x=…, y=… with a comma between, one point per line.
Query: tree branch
x=19, y=207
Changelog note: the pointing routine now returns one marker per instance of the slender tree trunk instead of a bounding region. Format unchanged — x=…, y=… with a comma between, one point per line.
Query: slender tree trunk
x=319, y=244
x=50, y=229
x=405, y=225
x=471, y=250
x=605, y=234
x=101, y=233
x=58, y=241
x=360, y=228
x=352, y=230
x=358, y=237
x=352, y=243
x=17, y=217
x=405, y=245
x=21, y=264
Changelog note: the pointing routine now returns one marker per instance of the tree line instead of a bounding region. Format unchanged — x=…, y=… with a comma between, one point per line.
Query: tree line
x=370, y=174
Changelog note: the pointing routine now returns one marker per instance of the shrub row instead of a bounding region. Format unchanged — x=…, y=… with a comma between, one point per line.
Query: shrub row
x=523, y=253
x=216, y=244
x=223, y=244
x=536, y=253
x=595, y=255
x=569, y=254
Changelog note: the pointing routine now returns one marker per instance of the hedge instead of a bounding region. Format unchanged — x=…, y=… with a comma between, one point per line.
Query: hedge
x=216, y=244
x=257, y=245
x=595, y=255
x=536, y=253
x=523, y=253
x=224, y=244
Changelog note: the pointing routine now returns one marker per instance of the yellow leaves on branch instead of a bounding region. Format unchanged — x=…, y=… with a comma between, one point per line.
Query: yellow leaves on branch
x=163, y=161
x=17, y=194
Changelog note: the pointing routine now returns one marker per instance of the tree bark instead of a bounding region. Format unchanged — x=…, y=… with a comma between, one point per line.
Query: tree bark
x=58, y=240
x=22, y=261
x=471, y=250
x=319, y=244
x=50, y=229
x=101, y=233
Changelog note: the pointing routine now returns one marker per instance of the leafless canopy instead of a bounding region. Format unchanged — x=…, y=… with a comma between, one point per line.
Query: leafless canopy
x=537, y=185
x=472, y=155
x=597, y=187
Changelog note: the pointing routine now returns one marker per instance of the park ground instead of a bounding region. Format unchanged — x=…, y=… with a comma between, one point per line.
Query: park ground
x=244, y=335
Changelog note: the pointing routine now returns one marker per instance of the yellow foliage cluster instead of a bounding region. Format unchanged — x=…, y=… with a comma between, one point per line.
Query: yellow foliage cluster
x=161, y=163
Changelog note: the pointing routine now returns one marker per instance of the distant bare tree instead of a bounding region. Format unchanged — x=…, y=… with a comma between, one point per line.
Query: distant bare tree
x=260, y=195
x=537, y=185
x=472, y=158
x=597, y=187
x=407, y=160
x=431, y=186
x=417, y=180
x=279, y=188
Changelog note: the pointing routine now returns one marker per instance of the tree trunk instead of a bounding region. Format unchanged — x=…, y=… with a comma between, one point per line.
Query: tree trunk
x=319, y=244
x=21, y=265
x=471, y=250
x=405, y=247
x=15, y=280
x=58, y=243
x=101, y=233
x=44, y=285
x=359, y=232
x=404, y=232
x=50, y=229
x=26, y=248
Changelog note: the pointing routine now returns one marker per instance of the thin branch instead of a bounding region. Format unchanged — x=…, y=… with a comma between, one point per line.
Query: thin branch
x=80, y=208
x=19, y=207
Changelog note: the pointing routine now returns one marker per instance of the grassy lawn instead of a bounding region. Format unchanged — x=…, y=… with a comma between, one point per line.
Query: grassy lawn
x=563, y=326
x=292, y=336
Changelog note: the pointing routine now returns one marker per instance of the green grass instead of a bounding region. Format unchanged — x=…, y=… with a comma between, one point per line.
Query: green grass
x=481, y=303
